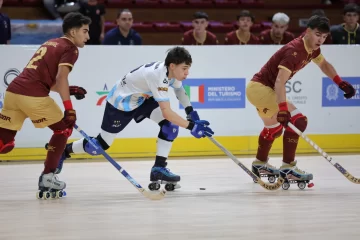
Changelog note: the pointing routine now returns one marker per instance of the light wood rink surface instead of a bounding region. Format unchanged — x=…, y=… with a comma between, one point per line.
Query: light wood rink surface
x=101, y=204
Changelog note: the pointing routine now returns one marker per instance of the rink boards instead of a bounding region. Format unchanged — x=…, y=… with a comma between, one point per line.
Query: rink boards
x=217, y=85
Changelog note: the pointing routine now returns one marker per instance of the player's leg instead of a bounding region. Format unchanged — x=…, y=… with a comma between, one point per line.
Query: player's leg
x=264, y=99
x=114, y=121
x=44, y=112
x=167, y=134
x=11, y=121
x=290, y=143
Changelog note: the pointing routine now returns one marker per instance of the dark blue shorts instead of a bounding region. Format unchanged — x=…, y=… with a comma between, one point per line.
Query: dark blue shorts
x=115, y=120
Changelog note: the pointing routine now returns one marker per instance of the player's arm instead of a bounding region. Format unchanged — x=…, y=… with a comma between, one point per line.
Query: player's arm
x=172, y=116
x=281, y=79
x=62, y=83
x=329, y=70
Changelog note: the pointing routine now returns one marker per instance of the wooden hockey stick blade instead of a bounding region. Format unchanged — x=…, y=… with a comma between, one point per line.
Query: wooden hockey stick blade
x=152, y=196
x=346, y=174
x=267, y=186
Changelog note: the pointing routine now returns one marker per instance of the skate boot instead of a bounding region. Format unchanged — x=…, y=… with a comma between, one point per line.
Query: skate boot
x=264, y=169
x=292, y=174
x=64, y=156
x=162, y=175
x=50, y=187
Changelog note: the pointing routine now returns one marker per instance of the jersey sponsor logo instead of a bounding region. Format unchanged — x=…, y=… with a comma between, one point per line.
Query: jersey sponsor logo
x=164, y=89
x=165, y=81
x=39, y=120
x=5, y=118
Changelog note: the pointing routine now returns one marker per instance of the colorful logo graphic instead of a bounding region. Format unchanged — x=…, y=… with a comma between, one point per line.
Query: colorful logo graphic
x=216, y=92
x=103, y=95
x=332, y=96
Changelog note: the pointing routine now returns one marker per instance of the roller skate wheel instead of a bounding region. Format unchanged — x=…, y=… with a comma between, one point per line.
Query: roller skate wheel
x=39, y=195
x=46, y=195
x=59, y=194
x=255, y=180
x=310, y=185
x=271, y=179
x=301, y=185
x=153, y=186
x=169, y=187
x=285, y=185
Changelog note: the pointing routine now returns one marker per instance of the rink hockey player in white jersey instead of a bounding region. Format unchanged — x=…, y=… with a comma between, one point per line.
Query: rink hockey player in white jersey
x=143, y=93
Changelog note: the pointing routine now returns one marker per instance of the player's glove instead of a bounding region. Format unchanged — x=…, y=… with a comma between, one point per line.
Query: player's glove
x=78, y=92
x=348, y=89
x=191, y=115
x=200, y=129
x=69, y=117
x=283, y=116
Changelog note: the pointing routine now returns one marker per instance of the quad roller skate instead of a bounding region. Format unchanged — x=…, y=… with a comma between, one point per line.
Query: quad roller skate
x=162, y=175
x=263, y=169
x=294, y=175
x=64, y=156
x=50, y=187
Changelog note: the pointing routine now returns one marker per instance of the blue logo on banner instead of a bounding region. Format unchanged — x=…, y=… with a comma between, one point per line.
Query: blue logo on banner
x=333, y=96
x=216, y=92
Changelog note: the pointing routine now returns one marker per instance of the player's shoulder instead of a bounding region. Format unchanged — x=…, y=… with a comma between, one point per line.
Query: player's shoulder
x=337, y=28
x=5, y=16
x=289, y=34
x=113, y=32
x=231, y=34
x=155, y=70
x=210, y=34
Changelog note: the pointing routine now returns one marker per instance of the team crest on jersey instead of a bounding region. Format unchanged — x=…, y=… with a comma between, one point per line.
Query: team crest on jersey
x=332, y=92
x=294, y=54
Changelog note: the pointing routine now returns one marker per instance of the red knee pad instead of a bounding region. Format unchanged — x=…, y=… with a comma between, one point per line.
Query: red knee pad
x=6, y=148
x=272, y=133
x=299, y=121
x=67, y=132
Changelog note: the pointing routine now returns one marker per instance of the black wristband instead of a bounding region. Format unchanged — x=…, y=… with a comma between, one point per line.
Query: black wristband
x=188, y=110
x=191, y=126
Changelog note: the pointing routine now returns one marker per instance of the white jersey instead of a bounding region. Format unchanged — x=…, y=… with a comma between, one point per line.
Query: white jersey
x=149, y=79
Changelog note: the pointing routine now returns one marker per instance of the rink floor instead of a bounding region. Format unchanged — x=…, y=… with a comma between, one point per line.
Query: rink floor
x=101, y=204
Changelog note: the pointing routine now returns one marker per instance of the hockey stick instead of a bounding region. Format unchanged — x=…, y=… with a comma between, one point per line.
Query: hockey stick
x=350, y=177
x=99, y=149
x=268, y=186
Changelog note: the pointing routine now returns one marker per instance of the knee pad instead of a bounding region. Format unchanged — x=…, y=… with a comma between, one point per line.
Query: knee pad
x=272, y=133
x=67, y=132
x=299, y=121
x=168, y=131
x=99, y=141
x=6, y=148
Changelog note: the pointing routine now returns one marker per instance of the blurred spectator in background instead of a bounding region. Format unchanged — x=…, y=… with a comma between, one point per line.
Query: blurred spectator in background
x=242, y=35
x=277, y=34
x=96, y=12
x=123, y=34
x=199, y=35
x=60, y=7
x=347, y=32
x=5, y=28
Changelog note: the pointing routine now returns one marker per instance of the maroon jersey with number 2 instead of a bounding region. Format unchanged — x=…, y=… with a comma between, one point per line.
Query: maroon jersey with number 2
x=39, y=75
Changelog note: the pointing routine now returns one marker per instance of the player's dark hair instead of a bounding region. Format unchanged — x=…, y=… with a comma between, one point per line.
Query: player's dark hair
x=351, y=7
x=245, y=13
x=318, y=12
x=320, y=23
x=178, y=55
x=74, y=20
x=122, y=11
x=200, y=15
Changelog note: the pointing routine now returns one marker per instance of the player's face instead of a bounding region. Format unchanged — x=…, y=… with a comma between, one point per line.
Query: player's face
x=180, y=71
x=279, y=29
x=81, y=36
x=200, y=25
x=316, y=38
x=351, y=18
x=245, y=24
x=125, y=21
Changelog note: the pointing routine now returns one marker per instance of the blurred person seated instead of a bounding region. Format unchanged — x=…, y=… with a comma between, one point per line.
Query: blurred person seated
x=5, y=27
x=57, y=8
x=123, y=34
x=96, y=12
x=277, y=34
x=199, y=35
x=243, y=35
x=347, y=32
